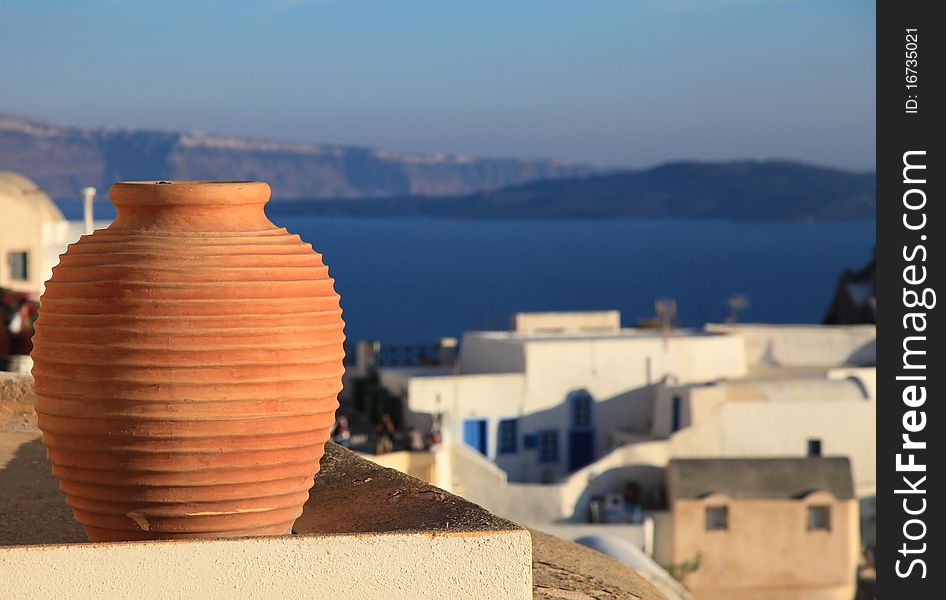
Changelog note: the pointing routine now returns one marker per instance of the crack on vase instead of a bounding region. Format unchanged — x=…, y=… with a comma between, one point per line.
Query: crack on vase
x=140, y=520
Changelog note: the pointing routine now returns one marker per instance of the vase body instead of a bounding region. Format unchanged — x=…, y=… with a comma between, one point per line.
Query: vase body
x=187, y=362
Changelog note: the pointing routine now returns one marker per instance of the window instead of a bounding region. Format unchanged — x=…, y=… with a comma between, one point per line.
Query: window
x=717, y=518
x=677, y=412
x=19, y=265
x=506, y=436
x=819, y=518
x=548, y=447
x=814, y=447
x=581, y=411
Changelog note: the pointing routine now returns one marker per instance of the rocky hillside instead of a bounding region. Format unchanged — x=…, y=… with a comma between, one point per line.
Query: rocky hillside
x=740, y=191
x=745, y=190
x=64, y=159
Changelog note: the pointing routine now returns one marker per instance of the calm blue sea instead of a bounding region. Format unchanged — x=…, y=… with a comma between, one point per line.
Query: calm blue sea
x=416, y=279
x=407, y=280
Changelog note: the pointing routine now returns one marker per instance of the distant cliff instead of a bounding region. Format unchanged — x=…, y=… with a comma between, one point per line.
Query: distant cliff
x=63, y=159
x=371, y=181
x=742, y=191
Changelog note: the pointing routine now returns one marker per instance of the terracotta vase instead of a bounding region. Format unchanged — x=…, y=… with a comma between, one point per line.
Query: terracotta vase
x=187, y=364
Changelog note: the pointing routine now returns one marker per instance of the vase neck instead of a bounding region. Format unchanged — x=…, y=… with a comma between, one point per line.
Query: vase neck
x=190, y=206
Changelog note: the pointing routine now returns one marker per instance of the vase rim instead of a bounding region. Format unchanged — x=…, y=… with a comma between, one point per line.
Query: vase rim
x=189, y=191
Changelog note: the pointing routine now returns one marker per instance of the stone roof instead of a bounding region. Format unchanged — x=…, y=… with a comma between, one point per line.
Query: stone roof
x=759, y=478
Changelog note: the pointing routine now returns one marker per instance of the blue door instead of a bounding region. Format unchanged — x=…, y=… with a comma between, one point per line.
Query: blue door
x=581, y=448
x=474, y=434
x=581, y=436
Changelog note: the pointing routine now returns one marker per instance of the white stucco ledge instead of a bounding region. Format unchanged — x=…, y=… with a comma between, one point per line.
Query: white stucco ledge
x=297, y=567
x=367, y=532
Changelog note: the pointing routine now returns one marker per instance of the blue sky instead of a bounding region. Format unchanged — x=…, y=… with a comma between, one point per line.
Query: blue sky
x=611, y=82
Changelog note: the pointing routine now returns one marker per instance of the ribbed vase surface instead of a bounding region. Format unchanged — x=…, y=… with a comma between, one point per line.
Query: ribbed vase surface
x=187, y=364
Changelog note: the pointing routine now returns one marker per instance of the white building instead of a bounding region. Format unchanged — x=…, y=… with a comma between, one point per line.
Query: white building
x=33, y=233
x=544, y=403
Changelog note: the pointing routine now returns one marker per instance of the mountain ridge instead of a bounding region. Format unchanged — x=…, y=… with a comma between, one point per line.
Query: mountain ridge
x=364, y=181
x=777, y=190
x=62, y=159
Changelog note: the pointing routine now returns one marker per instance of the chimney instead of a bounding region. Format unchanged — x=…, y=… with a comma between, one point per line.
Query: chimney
x=88, y=195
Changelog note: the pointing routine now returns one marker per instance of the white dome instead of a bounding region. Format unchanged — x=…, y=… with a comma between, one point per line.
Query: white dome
x=26, y=197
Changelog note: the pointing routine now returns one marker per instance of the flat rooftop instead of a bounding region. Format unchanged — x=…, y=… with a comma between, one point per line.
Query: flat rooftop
x=629, y=333
x=755, y=478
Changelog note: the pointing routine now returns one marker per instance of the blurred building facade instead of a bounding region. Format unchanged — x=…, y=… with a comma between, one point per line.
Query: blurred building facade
x=33, y=233
x=764, y=528
x=31, y=229
x=549, y=400
x=797, y=396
